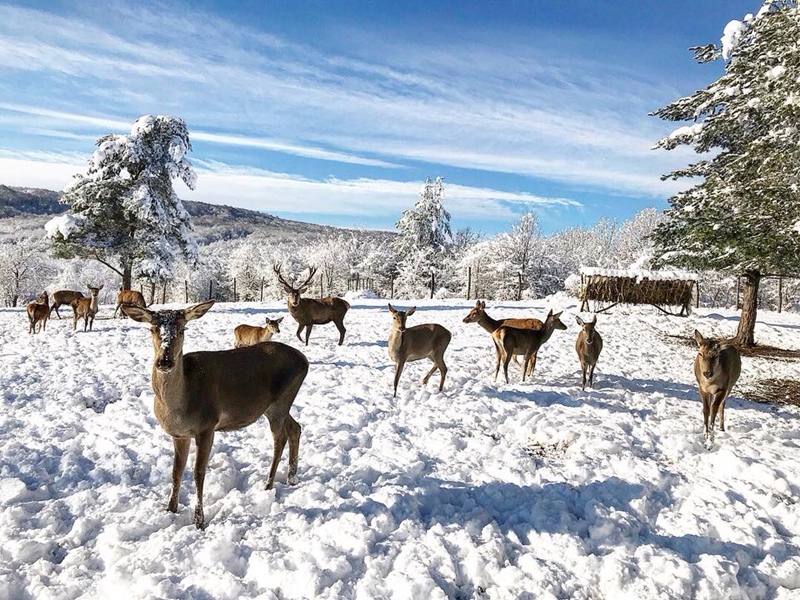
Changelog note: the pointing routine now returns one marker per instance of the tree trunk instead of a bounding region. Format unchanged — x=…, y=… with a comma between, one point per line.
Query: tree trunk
x=127, y=270
x=745, y=335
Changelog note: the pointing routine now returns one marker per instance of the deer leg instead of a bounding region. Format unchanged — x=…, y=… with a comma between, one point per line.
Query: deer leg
x=280, y=433
x=293, y=431
x=506, y=359
x=591, y=376
x=299, y=329
x=716, y=403
x=497, y=363
x=398, y=369
x=114, y=316
x=74, y=321
x=532, y=365
x=178, y=465
x=340, y=327
x=706, y=399
x=722, y=414
x=308, y=332
x=203, y=443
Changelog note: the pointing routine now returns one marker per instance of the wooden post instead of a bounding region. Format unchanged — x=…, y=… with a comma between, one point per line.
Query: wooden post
x=164, y=293
x=433, y=283
x=234, y=289
x=519, y=286
x=469, y=282
x=697, y=295
x=186, y=291
x=780, y=293
x=391, y=292
x=152, y=291
x=210, y=288
x=262, y=289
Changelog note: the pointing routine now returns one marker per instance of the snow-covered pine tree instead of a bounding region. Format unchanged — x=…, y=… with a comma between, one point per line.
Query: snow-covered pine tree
x=125, y=212
x=744, y=217
x=424, y=239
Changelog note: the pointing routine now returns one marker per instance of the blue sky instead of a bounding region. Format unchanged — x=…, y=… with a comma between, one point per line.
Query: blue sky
x=336, y=111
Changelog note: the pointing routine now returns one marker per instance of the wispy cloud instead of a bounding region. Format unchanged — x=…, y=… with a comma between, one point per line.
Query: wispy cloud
x=487, y=105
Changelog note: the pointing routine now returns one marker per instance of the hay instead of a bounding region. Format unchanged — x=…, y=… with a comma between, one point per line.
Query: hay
x=636, y=290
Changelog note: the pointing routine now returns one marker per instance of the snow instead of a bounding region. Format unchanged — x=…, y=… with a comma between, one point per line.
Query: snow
x=776, y=72
x=731, y=36
x=486, y=490
x=63, y=224
x=640, y=274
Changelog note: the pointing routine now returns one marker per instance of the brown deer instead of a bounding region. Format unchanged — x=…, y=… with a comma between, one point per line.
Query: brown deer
x=38, y=312
x=588, y=346
x=513, y=340
x=63, y=298
x=414, y=343
x=717, y=367
x=129, y=298
x=85, y=308
x=478, y=315
x=249, y=335
x=310, y=311
x=199, y=393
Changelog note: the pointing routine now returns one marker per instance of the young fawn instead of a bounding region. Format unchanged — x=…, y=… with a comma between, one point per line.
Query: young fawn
x=717, y=367
x=588, y=346
x=249, y=335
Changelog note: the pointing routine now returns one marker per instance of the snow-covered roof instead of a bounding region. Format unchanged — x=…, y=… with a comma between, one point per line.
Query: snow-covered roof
x=639, y=274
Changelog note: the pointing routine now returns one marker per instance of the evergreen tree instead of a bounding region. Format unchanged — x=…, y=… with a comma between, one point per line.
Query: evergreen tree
x=424, y=239
x=744, y=217
x=125, y=213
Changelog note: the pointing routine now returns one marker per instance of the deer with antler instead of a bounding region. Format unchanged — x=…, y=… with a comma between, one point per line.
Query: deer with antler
x=313, y=311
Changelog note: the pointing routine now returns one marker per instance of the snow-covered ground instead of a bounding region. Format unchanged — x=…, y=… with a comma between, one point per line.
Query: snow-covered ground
x=487, y=490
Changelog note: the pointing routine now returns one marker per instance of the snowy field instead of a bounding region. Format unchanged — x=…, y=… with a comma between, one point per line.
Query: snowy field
x=487, y=490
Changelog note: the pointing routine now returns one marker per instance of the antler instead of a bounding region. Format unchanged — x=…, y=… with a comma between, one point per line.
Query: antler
x=277, y=268
x=311, y=272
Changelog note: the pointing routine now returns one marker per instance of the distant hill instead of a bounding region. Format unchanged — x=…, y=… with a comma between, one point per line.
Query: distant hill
x=24, y=211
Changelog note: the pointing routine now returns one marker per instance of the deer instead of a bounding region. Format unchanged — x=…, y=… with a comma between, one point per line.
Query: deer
x=128, y=298
x=85, y=308
x=717, y=367
x=199, y=393
x=311, y=311
x=64, y=298
x=249, y=335
x=588, y=346
x=478, y=315
x=38, y=312
x=414, y=343
x=514, y=340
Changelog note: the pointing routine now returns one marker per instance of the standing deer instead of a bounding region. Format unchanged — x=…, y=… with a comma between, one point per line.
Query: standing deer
x=310, y=311
x=199, y=393
x=513, y=340
x=38, y=312
x=414, y=343
x=588, y=346
x=63, y=298
x=128, y=298
x=249, y=335
x=85, y=308
x=478, y=315
x=717, y=367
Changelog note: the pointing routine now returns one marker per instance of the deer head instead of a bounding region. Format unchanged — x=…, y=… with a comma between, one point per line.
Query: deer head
x=294, y=292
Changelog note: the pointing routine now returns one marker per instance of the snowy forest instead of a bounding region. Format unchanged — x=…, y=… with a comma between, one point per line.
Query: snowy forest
x=522, y=263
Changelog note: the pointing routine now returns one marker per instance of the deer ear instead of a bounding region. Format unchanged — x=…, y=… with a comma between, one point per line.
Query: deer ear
x=391, y=309
x=579, y=320
x=138, y=314
x=594, y=320
x=698, y=337
x=410, y=311
x=279, y=319
x=198, y=310
x=481, y=304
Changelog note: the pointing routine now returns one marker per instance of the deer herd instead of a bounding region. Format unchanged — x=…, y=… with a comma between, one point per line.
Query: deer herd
x=199, y=393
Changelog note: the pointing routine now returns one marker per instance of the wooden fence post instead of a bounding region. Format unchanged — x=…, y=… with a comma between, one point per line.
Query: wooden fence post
x=262, y=289
x=469, y=282
x=210, y=288
x=234, y=290
x=780, y=293
x=186, y=290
